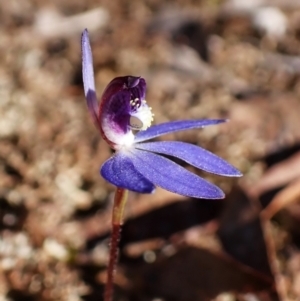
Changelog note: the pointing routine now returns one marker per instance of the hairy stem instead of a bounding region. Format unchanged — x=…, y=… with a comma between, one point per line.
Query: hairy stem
x=117, y=221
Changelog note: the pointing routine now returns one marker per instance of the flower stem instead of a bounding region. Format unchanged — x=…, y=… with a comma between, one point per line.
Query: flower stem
x=117, y=221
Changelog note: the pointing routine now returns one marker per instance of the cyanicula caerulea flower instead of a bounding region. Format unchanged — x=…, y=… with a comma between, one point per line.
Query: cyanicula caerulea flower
x=124, y=118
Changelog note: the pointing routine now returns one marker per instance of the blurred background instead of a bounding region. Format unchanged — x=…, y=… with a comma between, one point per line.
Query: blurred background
x=231, y=59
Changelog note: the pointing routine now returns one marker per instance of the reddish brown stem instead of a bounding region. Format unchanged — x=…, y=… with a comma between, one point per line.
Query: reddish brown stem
x=117, y=220
x=113, y=257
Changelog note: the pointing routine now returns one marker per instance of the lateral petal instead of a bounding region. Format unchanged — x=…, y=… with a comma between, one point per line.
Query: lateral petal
x=171, y=176
x=174, y=126
x=119, y=171
x=192, y=154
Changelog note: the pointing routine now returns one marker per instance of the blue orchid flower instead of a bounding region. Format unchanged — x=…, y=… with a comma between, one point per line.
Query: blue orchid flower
x=124, y=121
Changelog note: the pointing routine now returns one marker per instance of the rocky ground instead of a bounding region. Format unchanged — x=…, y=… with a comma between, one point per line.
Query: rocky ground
x=202, y=59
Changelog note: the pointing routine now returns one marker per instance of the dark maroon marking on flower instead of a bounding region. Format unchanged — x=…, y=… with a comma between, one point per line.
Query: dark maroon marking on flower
x=122, y=96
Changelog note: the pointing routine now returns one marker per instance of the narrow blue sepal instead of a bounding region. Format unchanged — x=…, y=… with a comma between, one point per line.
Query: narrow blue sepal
x=87, y=63
x=174, y=126
x=119, y=171
x=88, y=76
x=170, y=176
x=192, y=154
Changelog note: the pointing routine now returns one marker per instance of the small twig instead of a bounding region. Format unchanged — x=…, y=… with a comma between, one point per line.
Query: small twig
x=280, y=284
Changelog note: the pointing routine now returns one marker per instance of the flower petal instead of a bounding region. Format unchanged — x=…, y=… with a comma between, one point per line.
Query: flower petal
x=174, y=126
x=193, y=155
x=119, y=171
x=88, y=76
x=87, y=63
x=170, y=176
